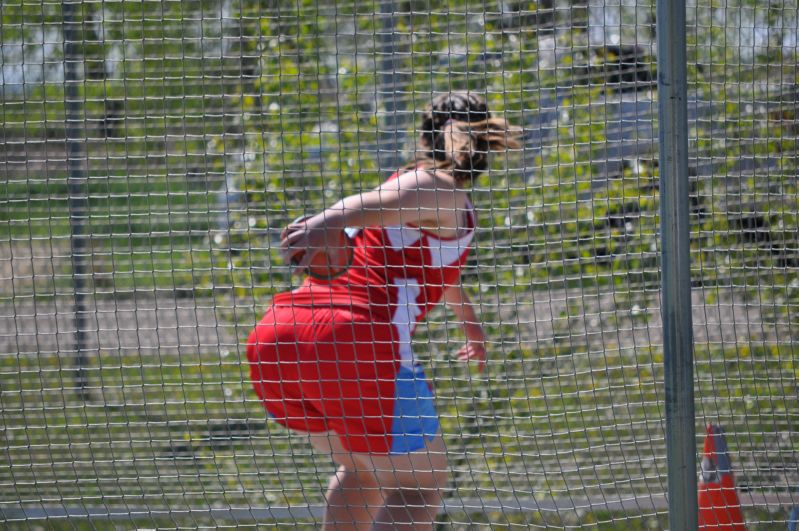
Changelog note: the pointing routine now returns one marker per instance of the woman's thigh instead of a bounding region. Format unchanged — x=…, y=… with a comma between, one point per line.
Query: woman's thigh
x=425, y=469
x=422, y=469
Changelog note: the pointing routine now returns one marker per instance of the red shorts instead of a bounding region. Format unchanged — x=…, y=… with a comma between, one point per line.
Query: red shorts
x=319, y=369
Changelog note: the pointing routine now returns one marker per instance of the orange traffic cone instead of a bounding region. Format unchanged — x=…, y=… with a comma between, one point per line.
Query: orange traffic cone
x=719, y=506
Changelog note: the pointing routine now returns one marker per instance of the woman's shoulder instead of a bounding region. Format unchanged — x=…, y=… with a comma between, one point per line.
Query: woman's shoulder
x=429, y=179
x=443, y=208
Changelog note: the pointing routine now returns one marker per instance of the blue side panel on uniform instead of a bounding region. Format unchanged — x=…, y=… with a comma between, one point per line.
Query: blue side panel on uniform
x=415, y=416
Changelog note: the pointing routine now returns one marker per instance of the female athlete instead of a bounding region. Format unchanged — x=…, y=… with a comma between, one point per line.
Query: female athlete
x=333, y=358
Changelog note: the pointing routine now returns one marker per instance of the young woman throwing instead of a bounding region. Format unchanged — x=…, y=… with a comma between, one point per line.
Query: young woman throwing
x=333, y=358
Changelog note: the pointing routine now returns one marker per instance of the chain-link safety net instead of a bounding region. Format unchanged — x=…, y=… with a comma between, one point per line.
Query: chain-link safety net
x=153, y=152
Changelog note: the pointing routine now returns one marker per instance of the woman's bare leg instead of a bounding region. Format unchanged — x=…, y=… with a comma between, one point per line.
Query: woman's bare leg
x=353, y=501
x=354, y=497
x=409, y=509
x=378, y=491
x=418, y=479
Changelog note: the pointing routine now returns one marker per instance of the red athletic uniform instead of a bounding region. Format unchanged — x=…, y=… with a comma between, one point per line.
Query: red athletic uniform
x=336, y=355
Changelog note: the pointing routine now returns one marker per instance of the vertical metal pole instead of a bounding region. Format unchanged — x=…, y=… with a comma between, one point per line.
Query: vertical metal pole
x=676, y=266
x=76, y=183
x=389, y=139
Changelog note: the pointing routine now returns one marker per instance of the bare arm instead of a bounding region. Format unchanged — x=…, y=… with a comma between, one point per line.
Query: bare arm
x=418, y=197
x=458, y=301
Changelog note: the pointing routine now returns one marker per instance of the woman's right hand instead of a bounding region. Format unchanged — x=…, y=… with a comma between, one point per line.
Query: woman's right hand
x=305, y=238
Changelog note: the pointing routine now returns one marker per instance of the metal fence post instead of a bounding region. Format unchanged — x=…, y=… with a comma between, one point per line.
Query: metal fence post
x=76, y=183
x=389, y=137
x=676, y=267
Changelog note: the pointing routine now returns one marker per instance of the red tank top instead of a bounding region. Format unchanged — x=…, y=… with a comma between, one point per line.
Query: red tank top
x=398, y=273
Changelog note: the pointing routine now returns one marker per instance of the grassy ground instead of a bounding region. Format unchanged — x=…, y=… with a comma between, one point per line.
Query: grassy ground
x=184, y=430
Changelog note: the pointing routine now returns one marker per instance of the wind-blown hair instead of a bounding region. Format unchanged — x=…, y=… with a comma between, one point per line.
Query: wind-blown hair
x=458, y=133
